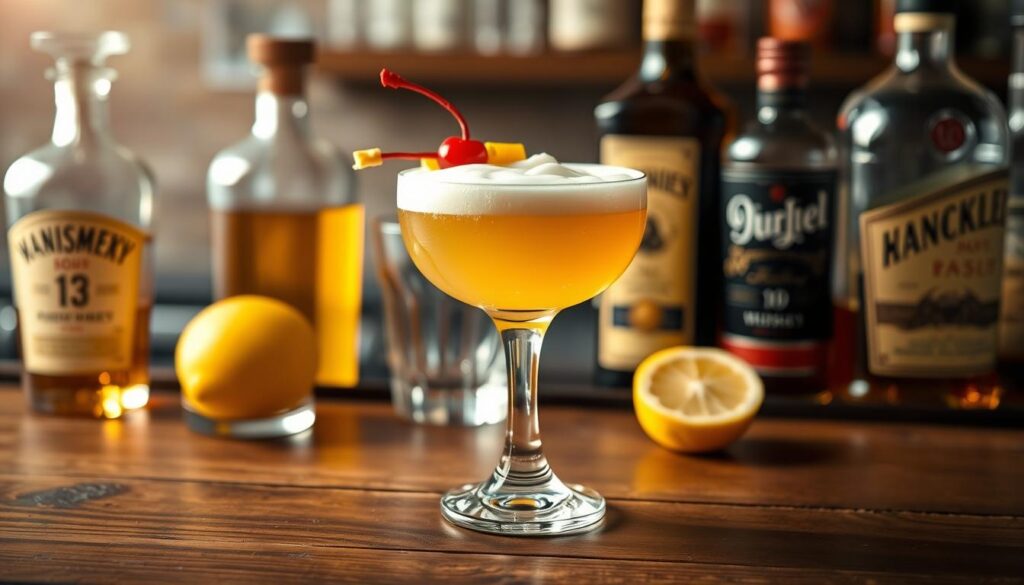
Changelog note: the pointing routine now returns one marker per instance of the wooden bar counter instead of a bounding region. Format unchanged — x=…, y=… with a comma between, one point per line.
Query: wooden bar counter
x=356, y=501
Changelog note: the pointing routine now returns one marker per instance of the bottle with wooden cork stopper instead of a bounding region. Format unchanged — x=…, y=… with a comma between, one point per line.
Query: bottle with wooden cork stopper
x=284, y=221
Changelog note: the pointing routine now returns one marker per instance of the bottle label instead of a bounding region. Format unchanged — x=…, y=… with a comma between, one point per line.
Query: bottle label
x=650, y=307
x=76, y=287
x=776, y=244
x=932, y=270
x=1011, y=319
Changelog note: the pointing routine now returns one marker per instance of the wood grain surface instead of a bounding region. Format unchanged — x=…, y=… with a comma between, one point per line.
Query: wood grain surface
x=356, y=501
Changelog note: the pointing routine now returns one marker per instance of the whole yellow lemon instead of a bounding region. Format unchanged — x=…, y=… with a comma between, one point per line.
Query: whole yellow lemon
x=246, y=357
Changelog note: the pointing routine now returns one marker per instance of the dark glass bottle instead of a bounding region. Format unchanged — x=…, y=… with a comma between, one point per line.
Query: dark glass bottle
x=778, y=217
x=665, y=122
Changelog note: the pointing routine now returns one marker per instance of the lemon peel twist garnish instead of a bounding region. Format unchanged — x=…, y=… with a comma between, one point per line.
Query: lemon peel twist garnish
x=364, y=159
x=503, y=153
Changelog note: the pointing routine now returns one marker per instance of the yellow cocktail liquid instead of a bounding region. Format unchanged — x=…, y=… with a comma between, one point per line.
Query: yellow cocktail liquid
x=513, y=262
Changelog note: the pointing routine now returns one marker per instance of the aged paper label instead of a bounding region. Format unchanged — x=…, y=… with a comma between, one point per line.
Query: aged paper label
x=76, y=287
x=650, y=307
x=932, y=268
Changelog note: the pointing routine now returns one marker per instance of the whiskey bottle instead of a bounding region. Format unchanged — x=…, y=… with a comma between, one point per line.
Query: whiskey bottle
x=777, y=210
x=284, y=223
x=665, y=122
x=924, y=182
x=78, y=213
x=1011, y=320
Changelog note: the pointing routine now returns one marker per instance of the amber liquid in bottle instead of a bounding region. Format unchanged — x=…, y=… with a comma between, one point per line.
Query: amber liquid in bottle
x=282, y=252
x=103, y=394
x=671, y=127
x=311, y=260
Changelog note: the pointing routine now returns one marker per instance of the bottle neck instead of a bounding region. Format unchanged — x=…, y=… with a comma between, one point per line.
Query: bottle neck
x=668, y=59
x=782, y=103
x=281, y=115
x=931, y=47
x=669, y=30
x=80, y=95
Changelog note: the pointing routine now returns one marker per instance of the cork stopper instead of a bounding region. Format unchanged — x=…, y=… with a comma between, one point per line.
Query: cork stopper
x=665, y=20
x=283, y=61
x=782, y=64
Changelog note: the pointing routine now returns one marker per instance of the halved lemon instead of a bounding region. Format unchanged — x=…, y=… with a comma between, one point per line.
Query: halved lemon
x=695, y=399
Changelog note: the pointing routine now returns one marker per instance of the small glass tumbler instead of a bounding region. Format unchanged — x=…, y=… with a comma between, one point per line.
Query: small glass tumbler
x=446, y=361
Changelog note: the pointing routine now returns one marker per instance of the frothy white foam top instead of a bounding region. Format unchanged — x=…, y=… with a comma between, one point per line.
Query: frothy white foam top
x=539, y=184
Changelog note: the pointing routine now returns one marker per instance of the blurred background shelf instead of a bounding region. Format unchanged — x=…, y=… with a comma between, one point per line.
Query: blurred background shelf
x=606, y=68
x=467, y=68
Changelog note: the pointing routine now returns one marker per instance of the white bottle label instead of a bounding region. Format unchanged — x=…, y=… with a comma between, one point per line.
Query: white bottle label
x=932, y=267
x=76, y=287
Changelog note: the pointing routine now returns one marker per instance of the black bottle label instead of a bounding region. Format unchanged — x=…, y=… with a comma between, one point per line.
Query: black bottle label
x=776, y=254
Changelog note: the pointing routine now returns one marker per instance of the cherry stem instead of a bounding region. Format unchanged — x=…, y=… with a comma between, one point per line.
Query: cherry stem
x=408, y=155
x=392, y=80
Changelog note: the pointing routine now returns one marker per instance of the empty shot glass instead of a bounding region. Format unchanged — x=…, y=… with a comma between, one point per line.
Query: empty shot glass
x=446, y=361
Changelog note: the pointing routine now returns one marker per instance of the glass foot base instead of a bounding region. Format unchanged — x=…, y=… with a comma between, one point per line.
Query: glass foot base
x=538, y=512
x=282, y=424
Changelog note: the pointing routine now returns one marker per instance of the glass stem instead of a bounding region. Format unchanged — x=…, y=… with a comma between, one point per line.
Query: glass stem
x=523, y=462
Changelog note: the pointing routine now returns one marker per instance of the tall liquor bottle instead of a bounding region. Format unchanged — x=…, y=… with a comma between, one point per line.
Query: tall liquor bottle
x=777, y=210
x=1011, y=322
x=284, y=223
x=664, y=122
x=924, y=180
x=78, y=215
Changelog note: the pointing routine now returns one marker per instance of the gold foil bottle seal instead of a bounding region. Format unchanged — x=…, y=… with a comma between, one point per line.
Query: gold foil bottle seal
x=665, y=20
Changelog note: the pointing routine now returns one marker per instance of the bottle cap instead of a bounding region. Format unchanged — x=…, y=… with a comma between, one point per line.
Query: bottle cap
x=913, y=16
x=669, y=20
x=283, y=61
x=782, y=64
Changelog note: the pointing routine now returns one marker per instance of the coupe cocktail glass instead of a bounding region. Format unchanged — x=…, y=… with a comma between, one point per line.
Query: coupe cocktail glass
x=522, y=252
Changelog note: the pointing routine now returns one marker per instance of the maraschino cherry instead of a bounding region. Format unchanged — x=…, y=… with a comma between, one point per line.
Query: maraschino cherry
x=454, y=150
